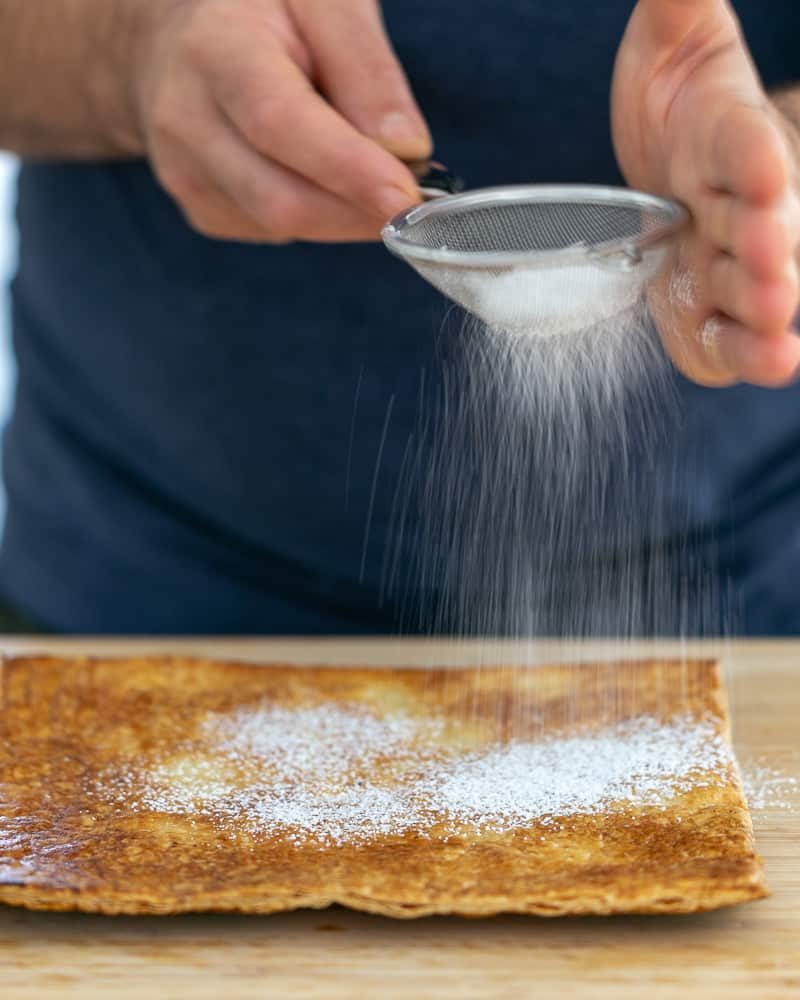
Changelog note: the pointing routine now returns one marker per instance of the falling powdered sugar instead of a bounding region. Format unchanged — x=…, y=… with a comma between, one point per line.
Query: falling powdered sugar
x=342, y=775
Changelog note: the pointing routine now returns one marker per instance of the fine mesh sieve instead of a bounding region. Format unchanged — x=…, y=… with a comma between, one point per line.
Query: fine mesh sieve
x=538, y=258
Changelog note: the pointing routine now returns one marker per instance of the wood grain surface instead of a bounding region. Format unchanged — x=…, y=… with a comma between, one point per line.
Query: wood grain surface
x=749, y=951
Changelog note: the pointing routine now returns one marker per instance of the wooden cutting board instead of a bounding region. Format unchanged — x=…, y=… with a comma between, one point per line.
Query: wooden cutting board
x=750, y=951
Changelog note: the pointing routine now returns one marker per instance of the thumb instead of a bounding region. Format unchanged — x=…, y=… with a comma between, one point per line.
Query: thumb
x=670, y=21
x=357, y=71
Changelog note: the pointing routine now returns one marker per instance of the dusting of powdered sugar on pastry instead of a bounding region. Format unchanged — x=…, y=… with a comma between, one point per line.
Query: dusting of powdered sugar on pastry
x=338, y=774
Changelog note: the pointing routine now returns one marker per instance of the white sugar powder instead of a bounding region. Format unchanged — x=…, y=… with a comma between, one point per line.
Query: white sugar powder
x=683, y=289
x=319, y=742
x=555, y=300
x=768, y=788
x=342, y=775
x=639, y=762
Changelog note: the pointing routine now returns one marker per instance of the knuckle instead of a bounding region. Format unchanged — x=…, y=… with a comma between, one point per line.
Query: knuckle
x=793, y=280
x=723, y=221
x=200, y=29
x=180, y=183
x=165, y=114
x=354, y=184
x=387, y=78
x=215, y=224
x=203, y=224
x=161, y=124
x=786, y=232
x=285, y=217
x=265, y=115
x=275, y=240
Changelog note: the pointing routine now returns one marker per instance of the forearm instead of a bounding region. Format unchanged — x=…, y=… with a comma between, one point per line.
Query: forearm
x=65, y=77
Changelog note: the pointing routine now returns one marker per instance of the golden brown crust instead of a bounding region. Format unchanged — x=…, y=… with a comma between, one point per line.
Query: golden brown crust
x=65, y=722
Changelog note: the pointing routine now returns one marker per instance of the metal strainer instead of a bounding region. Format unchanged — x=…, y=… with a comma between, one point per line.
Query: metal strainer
x=538, y=258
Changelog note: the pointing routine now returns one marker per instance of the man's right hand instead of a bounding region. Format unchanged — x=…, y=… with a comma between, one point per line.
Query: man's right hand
x=276, y=120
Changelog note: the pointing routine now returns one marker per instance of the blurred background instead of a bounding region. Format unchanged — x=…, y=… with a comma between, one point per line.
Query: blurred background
x=8, y=252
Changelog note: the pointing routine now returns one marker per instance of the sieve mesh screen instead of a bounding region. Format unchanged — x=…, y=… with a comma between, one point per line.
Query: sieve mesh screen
x=526, y=226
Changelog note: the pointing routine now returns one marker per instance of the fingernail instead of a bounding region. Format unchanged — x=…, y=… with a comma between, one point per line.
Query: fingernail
x=403, y=136
x=391, y=201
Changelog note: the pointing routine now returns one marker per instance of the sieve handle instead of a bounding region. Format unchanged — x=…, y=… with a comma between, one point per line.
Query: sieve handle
x=434, y=179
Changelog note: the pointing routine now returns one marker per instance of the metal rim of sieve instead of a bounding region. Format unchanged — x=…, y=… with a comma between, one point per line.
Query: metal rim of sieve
x=396, y=234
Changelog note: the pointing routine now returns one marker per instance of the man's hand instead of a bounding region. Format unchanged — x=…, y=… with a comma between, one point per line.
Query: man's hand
x=692, y=121
x=276, y=120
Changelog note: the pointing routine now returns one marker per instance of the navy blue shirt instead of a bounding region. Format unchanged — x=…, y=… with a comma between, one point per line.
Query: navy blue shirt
x=194, y=442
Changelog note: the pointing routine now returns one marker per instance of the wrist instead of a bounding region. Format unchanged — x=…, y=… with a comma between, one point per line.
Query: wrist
x=113, y=37
x=125, y=34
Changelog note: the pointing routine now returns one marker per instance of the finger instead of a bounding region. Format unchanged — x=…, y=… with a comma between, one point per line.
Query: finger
x=205, y=206
x=670, y=21
x=705, y=345
x=694, y=355
x=217, y=216
x=277, y=111
x=766, y=306
x=750, y=358
x=762, y=238
x=279, y=201
x=359, y=73
x=678, y=299
x=720, y=352
x=694, y=351
x=746, y=154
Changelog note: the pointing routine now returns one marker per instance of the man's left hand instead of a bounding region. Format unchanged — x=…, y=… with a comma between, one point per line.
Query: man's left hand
x=692, y=121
